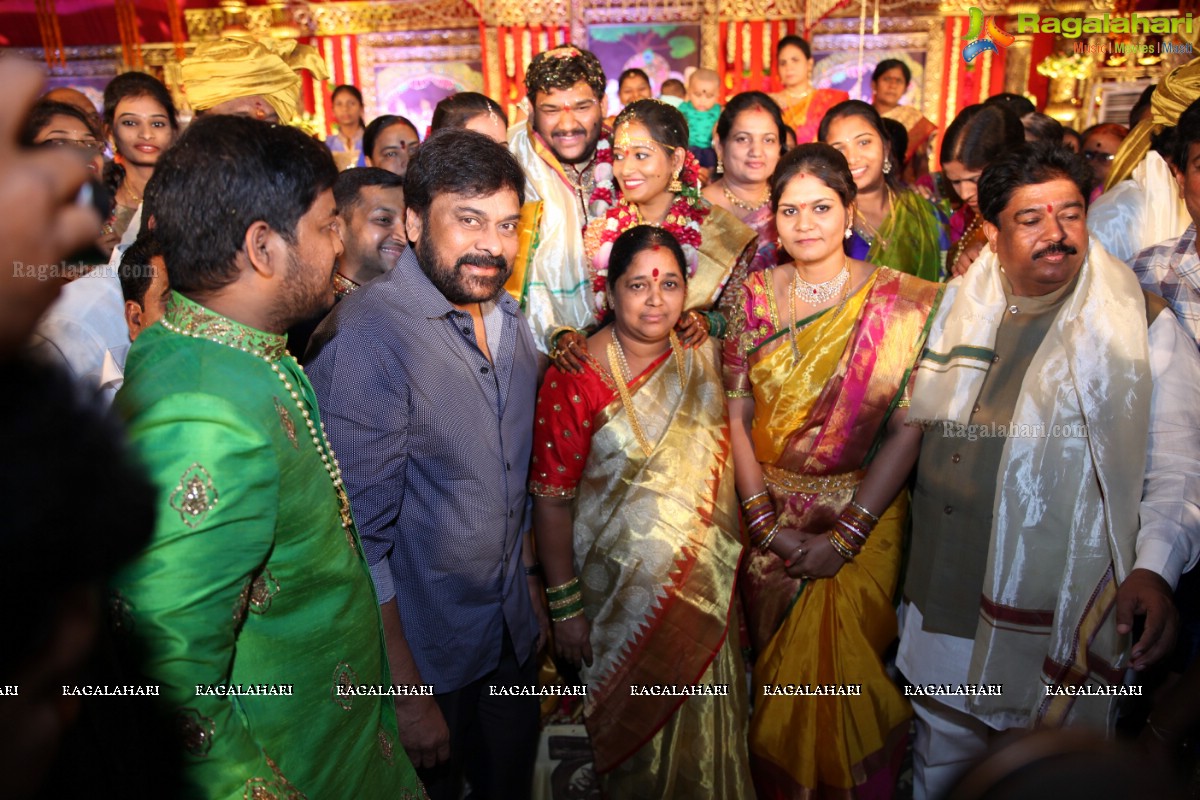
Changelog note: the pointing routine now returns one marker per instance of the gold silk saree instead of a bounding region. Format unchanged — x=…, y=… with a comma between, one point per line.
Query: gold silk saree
x=823, y=396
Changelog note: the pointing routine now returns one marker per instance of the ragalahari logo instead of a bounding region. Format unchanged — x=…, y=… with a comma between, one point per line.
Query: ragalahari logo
x=986, y=36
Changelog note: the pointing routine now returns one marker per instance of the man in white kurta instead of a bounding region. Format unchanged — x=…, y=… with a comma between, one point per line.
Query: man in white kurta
x=1058, y=489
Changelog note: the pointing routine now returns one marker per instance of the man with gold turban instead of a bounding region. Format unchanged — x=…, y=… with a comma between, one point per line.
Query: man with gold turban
x=240, y=74
x=1141, y=205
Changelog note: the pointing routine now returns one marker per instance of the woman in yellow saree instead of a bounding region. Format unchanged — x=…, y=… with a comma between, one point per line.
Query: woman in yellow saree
x=817, y=366
x=635, y=516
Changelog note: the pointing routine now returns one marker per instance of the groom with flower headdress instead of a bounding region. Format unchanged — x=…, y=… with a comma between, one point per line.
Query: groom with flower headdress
x=566, y=153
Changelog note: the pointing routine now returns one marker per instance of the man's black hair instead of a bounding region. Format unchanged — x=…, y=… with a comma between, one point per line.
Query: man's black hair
x=1187, y=133
x=1039, y=162
x=463, y=162
x=347, y=190
x=135, y=269
x=224, y=174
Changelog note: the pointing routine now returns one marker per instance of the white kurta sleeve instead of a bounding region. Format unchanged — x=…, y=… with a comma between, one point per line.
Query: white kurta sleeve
x=1169, y=539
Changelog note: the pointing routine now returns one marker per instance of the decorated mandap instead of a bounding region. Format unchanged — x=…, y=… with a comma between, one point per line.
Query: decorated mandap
x=405, y=55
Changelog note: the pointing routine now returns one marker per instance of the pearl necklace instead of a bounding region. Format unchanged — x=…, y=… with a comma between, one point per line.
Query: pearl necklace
x=319, y=440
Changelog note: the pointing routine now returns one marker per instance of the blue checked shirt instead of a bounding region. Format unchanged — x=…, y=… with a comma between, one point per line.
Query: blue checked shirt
x=434, y=444
x=1171, y=269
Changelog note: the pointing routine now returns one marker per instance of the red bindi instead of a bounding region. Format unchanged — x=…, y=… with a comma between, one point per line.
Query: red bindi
x=1049, y=209
x=654, y=274
x=802, y=175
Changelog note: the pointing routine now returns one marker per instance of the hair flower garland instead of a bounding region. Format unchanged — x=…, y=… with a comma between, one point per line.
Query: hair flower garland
x=684, y=220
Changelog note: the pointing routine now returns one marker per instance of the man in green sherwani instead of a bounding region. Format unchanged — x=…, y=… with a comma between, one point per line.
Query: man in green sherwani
x=255, y=576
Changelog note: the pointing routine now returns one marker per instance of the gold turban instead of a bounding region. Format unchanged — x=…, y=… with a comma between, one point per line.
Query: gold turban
x=239, y=65
x=1171, y=97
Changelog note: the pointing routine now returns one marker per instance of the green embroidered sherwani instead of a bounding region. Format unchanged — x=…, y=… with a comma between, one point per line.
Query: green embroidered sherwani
x=255, y=574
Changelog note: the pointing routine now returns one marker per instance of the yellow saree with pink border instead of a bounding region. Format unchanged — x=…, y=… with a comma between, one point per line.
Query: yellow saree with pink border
x=823, y=396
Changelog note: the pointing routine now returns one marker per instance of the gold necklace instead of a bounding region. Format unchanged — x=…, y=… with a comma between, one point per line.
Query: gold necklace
x=735, y=200
x=622, y=375
x=137, y=201
x=865, y=229
x=796, y=98
x=792, y=304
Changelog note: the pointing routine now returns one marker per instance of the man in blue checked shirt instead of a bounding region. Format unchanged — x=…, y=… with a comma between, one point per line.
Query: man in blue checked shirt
x=427, y=379
x=1172, y=268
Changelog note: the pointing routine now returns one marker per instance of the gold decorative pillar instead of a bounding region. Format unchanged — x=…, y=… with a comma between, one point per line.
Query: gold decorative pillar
x=710, y=34
x=1017, y=63
x=1063, y=102
x=234, y=12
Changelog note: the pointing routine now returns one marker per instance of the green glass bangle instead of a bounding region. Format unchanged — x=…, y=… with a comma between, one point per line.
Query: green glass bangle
x=563, y=590
x=716, y=324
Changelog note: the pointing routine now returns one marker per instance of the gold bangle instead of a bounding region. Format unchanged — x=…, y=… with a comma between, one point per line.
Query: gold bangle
x=746, y=503
x=862, y=509
x=840, y=548
x=770, y=537
x=572, y=615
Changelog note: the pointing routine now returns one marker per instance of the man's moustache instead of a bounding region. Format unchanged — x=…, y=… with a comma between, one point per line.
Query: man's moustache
x=1065, y=249
x=564, y=134
x=482, y=260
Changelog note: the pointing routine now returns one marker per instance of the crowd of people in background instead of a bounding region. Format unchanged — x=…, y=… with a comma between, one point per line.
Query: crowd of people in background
x=812, y=441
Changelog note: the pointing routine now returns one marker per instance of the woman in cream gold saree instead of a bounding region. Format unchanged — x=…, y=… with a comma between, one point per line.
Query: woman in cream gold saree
x=817, y=366
x=636, y=527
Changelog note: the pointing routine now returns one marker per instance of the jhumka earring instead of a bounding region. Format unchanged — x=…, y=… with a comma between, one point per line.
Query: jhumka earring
x=720, y=165
x=849, y=231
x=887, y=166
x=675, y=187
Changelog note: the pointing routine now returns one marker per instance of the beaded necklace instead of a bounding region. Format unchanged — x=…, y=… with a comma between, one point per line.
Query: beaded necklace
x=959, y=247
x=319, y=439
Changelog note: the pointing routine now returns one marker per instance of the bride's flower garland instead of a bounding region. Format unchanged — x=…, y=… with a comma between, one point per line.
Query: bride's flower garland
x=604, y=195
x=683, y=221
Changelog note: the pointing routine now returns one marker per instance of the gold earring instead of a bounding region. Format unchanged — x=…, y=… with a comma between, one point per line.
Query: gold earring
x=675, y=187
x=720, y=165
